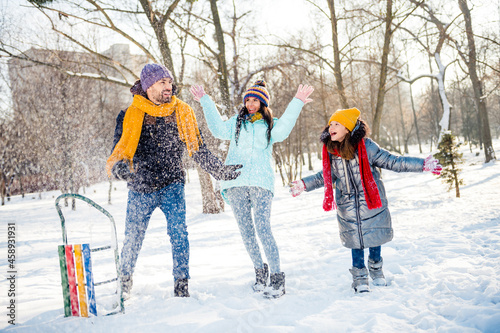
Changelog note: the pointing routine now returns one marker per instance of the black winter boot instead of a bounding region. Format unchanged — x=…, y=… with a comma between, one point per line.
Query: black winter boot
x=181, y=288
x=261, y=276
x=360, y=280
x=276, y=288
x=376, y=272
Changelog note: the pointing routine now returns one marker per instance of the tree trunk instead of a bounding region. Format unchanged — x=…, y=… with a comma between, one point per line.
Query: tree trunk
x=336, y=56
x=415, y=120
x=402, y=122
x=3, y=186
x=379, y=108
x=221, y=60
x=109, y=191
x=326, y=114
x=455, y=178
x=444, y=123
x=158, y=22
x=209, y=200
x=484, y=124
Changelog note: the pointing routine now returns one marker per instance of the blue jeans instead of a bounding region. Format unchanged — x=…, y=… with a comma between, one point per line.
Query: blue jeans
x=140, y=207
x=242, y=200
x=358, y=256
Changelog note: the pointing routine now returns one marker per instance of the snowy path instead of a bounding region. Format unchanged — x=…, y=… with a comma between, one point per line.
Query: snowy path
x=442, y=266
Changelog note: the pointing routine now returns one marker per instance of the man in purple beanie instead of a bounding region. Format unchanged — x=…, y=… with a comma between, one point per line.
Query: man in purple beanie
x=150, y=139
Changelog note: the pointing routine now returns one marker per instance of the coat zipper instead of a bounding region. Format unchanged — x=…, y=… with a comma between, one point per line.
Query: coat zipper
x=356, y=199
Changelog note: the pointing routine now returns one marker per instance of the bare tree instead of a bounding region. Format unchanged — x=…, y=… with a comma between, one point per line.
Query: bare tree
x=337, y=71
x=479, y=97
x=383, y=70
x=435, y=52
x=222, y=71
x=104, y=15
x=63, y=130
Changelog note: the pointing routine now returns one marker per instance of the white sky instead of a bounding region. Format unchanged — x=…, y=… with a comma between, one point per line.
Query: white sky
x=284, y=18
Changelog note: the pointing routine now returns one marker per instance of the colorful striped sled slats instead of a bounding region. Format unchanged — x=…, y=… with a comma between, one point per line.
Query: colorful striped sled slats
x=77, y=280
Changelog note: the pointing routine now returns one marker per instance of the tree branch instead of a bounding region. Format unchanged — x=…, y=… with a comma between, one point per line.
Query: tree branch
x=199, y=40
x=23, y=56
x=111, y=27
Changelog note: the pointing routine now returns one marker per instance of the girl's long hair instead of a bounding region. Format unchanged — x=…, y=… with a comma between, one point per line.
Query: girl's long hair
x=347, y=147
x=344, y=148
x=267, y=115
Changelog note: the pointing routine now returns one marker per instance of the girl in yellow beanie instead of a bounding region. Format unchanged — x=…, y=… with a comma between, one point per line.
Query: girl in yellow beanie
x=351, y=161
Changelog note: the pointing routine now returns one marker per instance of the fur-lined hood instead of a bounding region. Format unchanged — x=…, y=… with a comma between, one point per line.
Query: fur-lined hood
x=358, y=133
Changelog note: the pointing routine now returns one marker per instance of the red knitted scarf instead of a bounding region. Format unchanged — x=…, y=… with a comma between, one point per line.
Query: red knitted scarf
x=372, y=195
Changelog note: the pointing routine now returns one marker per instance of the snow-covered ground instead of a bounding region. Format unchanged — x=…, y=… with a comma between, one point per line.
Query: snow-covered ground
x=442, y=267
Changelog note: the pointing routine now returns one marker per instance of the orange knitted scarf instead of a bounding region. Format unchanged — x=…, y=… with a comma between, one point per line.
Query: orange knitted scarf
x=132, y=127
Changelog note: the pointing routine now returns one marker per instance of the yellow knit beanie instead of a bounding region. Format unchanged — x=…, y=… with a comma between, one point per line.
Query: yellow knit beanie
x=346, y=117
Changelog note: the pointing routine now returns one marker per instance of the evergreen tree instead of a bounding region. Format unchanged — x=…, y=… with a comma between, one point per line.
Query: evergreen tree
x=450, y=158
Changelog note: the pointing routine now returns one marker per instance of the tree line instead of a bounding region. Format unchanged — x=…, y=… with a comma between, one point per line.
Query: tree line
x=389, y=59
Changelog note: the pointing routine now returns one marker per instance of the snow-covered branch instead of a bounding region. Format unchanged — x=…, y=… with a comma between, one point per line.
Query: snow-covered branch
x=413, y=79
x=100, y=77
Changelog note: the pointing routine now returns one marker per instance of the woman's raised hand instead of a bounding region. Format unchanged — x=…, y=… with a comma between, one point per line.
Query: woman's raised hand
x=303, y=93
x=197, y=91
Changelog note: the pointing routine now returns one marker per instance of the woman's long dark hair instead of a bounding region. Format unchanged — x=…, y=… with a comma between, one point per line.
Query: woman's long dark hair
x=267, y=115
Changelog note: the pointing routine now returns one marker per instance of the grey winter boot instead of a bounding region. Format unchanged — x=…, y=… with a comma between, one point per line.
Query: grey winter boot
x=360, y=280
x=181, y=288
x=276, y=288
x=261, y=276
x=126, y=283
x=376, y=272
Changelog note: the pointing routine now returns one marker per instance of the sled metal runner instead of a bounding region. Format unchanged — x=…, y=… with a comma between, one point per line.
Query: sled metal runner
x=113, y=247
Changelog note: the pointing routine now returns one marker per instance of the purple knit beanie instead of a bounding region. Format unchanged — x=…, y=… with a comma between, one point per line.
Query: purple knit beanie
x=152, y=73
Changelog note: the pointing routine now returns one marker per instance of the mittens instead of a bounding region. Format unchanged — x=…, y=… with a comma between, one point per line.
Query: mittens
x=297, y=188
x=121, y=171
x=228, y=172
x=431, y=164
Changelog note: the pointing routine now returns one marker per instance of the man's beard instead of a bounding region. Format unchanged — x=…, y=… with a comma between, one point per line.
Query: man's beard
x=164, y=99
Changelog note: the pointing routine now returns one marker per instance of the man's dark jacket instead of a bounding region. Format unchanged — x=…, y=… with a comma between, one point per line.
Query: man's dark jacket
x=158, y=158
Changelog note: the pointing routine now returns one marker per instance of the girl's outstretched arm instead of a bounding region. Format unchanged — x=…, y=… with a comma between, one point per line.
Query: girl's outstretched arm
x=382, y=158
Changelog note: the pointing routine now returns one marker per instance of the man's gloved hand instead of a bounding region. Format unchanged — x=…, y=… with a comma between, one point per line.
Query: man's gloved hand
x=121, y=171
x=432, y=165
x=297, y=188
x=228, y=172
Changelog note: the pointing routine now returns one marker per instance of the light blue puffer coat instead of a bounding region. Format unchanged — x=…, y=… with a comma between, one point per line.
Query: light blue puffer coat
x=360, y=227
x=252, y=150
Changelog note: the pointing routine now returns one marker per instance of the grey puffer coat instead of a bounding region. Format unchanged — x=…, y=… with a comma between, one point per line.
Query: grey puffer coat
x=359, y=226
